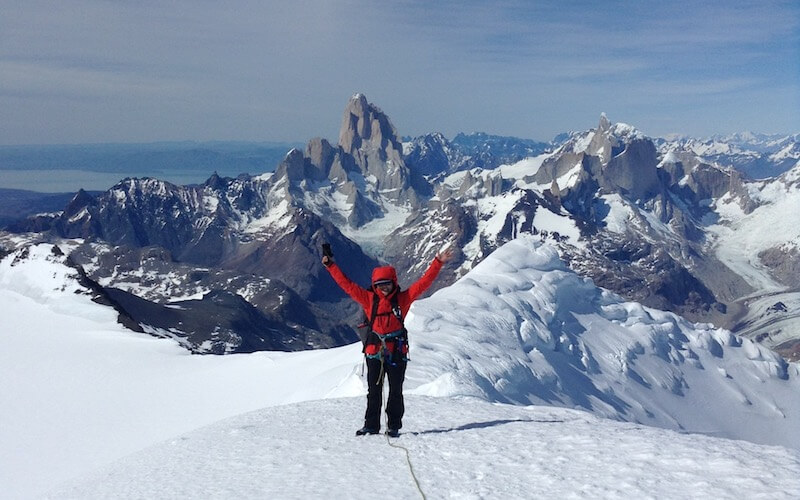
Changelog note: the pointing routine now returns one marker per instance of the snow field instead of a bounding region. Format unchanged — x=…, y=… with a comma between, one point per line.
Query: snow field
x=79, y=391
x=458, y=447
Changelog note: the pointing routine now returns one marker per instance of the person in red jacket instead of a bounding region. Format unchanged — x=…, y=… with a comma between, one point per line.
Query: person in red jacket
x=386, y=345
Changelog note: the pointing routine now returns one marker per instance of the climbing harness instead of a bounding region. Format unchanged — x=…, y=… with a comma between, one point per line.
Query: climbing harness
x=399, y=337
x=387, y=357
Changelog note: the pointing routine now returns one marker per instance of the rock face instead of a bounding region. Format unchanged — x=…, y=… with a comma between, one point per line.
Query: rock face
x=221, y=322
x=366, y=129
x=371, y=140
x=431, y=155
x=365, y=170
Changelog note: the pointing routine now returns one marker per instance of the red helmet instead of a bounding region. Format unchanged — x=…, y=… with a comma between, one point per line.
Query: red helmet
x=385, y=274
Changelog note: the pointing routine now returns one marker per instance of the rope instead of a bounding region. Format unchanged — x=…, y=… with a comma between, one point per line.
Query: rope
x=410, y=467
x=398, y=446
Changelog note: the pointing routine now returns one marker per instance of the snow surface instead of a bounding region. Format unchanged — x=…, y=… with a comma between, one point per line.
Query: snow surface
x=78, y=390
x=570, y=178
x=545, y=220
x=525, y=167
x=582, y=143
x=82, y=397
x=492, y=213
x=620, y=213
x=779, y=327
x=457, y=448
x=276, y=218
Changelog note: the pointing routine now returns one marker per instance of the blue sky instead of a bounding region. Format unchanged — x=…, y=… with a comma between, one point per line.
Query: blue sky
x=139, y=71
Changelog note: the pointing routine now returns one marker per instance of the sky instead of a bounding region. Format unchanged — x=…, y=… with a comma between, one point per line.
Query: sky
x=92, y=71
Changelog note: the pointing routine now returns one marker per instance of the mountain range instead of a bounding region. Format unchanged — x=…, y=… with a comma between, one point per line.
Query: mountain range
x=677, y=224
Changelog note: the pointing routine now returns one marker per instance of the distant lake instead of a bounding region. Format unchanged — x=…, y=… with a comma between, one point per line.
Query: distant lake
x=70, y=181
x=97, y=167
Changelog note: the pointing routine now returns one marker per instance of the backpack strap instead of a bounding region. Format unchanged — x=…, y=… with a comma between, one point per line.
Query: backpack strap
x=365, y=328
x=372, y=337
x=374, y=313
x=396, y=308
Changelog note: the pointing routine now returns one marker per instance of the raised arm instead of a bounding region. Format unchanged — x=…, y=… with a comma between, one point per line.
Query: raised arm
x=351, y=288
x=428, y=278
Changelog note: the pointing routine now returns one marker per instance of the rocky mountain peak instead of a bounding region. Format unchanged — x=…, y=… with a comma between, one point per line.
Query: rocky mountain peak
x=353, y=181
x=431, y=154
x=355, y=123
x=629, y=160
x=366, y=127
x=215, y=182
x=368, y=136
x=604, y=124
x=79, y=202
x=602, y=142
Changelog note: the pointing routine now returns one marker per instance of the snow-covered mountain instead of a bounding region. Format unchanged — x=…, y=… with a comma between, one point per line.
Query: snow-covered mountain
x=759, y=156
x=433, y=154
x=81, y=391
x=655, y=221
x=627, y=214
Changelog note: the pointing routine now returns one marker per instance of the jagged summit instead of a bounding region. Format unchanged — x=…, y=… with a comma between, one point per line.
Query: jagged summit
x=359, y=179
x=365, y=126
x=604, y=124
x=369, y=137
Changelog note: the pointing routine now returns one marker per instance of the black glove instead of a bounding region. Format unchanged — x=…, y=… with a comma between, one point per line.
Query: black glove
x=326, y=250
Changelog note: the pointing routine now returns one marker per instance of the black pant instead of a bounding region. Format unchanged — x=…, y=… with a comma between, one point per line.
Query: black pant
x=394, y=404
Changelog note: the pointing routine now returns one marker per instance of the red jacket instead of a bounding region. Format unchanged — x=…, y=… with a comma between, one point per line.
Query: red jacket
x=385, y=321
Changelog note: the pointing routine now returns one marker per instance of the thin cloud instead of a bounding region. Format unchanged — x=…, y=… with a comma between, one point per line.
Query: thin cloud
x=283, y=71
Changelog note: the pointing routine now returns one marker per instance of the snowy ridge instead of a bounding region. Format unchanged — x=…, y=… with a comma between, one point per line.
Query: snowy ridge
x=24, y=271
x=522, y=328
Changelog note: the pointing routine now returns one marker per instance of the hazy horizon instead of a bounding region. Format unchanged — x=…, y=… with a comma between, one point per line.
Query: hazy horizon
x=302, y=143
